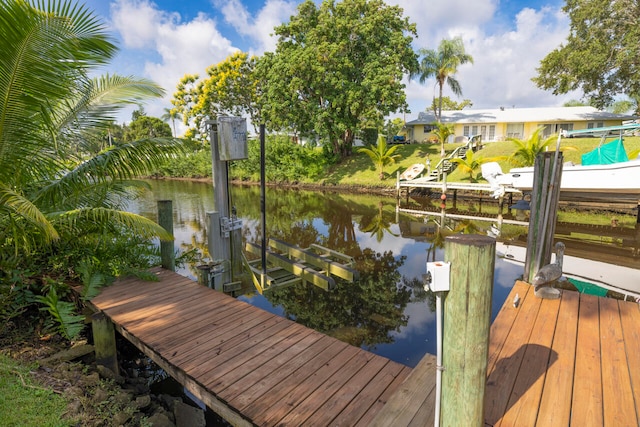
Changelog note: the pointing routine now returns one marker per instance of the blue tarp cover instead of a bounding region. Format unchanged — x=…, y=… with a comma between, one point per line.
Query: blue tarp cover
x=606, y=154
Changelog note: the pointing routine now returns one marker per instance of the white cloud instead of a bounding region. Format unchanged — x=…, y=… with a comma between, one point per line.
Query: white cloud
x=169, y=47
x=504, y=60
x=261, y=28
x=446, y=18
x=506, y=53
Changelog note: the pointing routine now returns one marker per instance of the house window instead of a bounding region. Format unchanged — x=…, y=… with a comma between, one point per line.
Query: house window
x=549, y=129
x=515, y=130
x=492, y=133
x=474, y=130
x=565, y=126
x=592, y=125
x=429, y=128
x=465, y=131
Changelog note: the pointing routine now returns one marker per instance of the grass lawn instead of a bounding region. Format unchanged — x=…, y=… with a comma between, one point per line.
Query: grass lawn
x=359, y=170
x=26, y=404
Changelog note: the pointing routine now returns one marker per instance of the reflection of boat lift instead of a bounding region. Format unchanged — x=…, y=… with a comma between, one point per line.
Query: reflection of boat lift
x=291, y=265
x=281, y=264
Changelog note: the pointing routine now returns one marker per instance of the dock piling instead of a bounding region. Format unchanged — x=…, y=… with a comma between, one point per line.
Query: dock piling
x=104, y=340
x=467, y=319
x=545, y=196
x=165, y=220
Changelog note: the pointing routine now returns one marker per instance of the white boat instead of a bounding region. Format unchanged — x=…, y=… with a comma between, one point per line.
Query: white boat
x=594, y=181
x=412, y=172
x=623, y=280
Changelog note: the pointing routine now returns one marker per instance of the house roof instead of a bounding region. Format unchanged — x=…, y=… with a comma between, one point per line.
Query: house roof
x=520, y=115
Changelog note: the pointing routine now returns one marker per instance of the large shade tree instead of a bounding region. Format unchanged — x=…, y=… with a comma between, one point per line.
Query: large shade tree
x=600, y=55
x=337, y=69
x=51, y=187
x=443, y=64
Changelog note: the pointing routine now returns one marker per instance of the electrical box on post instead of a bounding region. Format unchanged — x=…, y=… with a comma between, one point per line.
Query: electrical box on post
x=232, y=142
x=438, y=272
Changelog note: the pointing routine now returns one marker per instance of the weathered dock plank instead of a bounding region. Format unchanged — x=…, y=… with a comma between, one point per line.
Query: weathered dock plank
x=572, y=361
x=250, y=366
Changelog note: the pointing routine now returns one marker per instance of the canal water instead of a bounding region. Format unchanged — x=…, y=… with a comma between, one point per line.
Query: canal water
x=387, y=311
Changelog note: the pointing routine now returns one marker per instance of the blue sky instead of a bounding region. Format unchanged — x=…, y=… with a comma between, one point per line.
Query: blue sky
x=165, y=39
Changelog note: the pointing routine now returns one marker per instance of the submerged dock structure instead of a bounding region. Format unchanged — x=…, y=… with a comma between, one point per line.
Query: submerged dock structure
x=570, y=361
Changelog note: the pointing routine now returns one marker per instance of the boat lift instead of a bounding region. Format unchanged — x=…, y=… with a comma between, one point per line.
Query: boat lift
x=280, y=263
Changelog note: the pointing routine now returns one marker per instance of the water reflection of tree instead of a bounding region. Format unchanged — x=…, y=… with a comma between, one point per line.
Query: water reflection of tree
x=377, y=225
x=363, y=313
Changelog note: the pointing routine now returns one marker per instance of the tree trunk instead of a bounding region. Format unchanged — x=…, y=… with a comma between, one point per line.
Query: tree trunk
x=442, y=153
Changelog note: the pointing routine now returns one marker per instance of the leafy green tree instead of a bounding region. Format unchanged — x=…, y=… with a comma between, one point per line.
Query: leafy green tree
x=52, y=194
x=381, y=154
x=145, y=127
x=449, y=104
x=528, y=149
x=443, y=131
x=230, y=88
x=600, y=55
x=393, y=127
x=337, y=69
x=443, y=65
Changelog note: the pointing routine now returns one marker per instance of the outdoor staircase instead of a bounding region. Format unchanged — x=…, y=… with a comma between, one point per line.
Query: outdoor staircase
x=445, y=165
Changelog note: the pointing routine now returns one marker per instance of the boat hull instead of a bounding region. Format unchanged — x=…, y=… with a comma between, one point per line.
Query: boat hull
x=619, y=179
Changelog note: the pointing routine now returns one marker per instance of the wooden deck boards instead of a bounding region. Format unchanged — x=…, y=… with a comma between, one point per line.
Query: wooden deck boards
x=572, y=361
x=583, y=371
x=250, y=366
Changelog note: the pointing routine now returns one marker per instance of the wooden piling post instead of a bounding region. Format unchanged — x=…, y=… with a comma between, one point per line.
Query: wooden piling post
x=545, y=196
x=104, y=341
x=165, y=220
x=203, y=275
x=467, y=318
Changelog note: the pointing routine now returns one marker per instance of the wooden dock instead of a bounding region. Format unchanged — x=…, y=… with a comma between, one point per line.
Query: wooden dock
x=567, y=362
x=250, y=366
x=574, y=361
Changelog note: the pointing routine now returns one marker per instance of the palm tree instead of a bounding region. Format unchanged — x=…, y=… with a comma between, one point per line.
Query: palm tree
x=171, y=114
x=528, y=149
x=443, y=65
x=443, y=132
x=381, y=154
x=51, y=189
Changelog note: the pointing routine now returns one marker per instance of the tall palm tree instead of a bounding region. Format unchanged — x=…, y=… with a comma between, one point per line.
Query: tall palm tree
x=50, y=187
x=171, y=114
x=443, y=65
x=381, y=155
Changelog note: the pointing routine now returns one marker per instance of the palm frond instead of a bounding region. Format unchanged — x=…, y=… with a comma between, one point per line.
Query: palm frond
x=43, y=56
x=106, y=219
x=16, y=204
x=123, y=162
x=96, y=103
